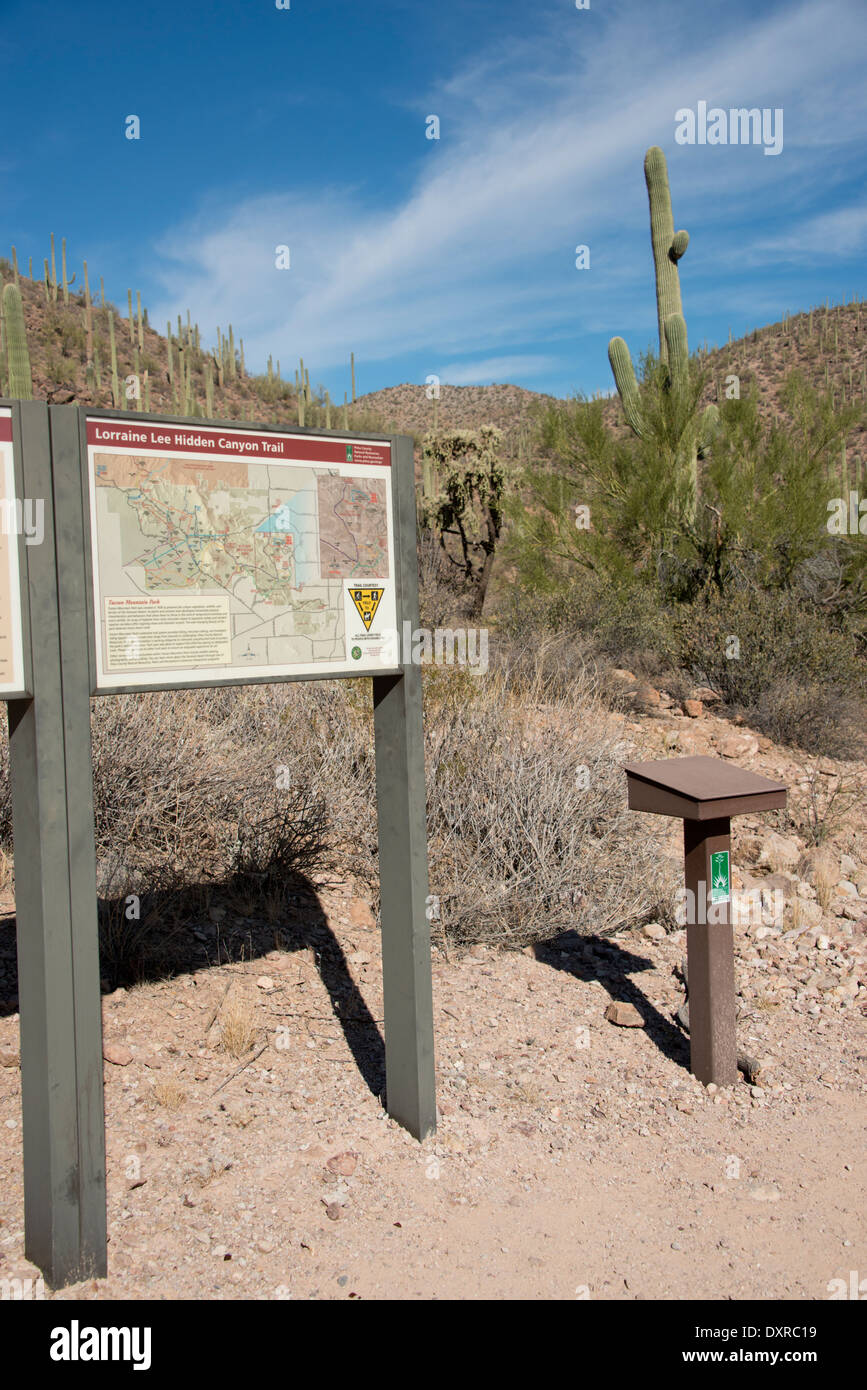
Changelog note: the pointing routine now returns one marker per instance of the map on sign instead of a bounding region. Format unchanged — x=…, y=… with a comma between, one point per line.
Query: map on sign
x=12, y=522
x=232, y=554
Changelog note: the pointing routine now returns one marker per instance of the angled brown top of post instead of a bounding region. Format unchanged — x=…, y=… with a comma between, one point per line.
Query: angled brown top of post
x=699, y=788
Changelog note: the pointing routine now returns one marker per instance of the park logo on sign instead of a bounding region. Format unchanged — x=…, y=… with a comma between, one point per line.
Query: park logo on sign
x=720, y=886
x=367, y=602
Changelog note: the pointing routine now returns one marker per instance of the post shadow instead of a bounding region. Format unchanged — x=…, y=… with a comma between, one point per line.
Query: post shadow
x=171, y=950
x=571, y=953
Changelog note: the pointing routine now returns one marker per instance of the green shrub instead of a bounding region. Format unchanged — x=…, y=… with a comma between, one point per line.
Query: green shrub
x=626, y=624
x=794, y=675
x=814, y=716
x=741, y=645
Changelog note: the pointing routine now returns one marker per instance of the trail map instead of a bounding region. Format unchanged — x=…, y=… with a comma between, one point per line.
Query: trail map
x=211, y=565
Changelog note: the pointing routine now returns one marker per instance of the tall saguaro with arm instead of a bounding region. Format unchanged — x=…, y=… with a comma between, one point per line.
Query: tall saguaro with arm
x=669, y=247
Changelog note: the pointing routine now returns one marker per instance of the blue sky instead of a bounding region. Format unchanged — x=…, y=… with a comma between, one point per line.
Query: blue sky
x=306, y=127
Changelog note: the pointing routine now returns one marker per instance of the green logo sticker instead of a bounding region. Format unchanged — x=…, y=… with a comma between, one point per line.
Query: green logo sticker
x=356, y=653
x=349, y=453
x=720, y=884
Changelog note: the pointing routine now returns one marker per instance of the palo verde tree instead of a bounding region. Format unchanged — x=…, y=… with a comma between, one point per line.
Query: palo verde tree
x=613, y=505
x=462, y=500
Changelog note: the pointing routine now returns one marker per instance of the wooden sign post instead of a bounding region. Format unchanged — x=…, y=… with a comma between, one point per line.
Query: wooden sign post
x=705, y=793
x=104, y=608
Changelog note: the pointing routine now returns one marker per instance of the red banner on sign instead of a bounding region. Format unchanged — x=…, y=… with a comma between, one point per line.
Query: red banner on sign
x=128, y=435
x=5, y=429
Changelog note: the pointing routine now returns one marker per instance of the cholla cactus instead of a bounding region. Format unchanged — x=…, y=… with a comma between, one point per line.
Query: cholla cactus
x=464, y=480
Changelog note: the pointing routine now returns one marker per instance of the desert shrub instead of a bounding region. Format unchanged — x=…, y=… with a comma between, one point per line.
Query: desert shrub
x=744, y=644
x=242, y=788
x=602, y=530
x=818, y=808
x=177, y=783
x=57, y=368
x=796, y=672
x=795, y=675
x=272, y=389
x=537, y=665
x=443, y=598
x=812, y=715
x=464, y=477
x=528, y=827
x=140, y=929
x=620, y=624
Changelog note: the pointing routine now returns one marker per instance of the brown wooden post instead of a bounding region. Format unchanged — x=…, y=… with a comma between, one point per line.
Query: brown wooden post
x=705, y=793
x=710, y=955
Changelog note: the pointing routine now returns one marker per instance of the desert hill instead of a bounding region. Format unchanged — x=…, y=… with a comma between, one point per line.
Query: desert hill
x=179, y=374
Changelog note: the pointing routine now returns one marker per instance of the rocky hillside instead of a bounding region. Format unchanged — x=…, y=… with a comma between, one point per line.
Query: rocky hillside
x=510, y=408
x=179, y=373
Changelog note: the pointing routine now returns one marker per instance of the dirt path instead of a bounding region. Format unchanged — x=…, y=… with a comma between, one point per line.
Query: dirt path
x=565, y=1162
x=573, y=1158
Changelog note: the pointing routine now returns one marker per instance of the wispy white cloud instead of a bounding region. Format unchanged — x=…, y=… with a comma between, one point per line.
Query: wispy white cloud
x=496, y=369
x=839, y=234
x=541, y=149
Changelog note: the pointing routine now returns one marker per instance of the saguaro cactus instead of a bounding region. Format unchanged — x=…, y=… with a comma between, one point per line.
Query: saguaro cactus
x=18, y=377
x=668, y=248
x=115, y=382
x=88, y=329
x=668, y=245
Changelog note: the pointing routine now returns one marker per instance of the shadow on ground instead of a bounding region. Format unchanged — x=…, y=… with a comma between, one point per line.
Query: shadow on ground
x=590, y=958
x=181, y=928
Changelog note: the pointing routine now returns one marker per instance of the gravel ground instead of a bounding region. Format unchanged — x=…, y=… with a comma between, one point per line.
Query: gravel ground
x=574, y=1158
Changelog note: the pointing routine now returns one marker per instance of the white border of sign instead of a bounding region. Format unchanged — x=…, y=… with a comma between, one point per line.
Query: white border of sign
x=16, y=684
x=373, y=645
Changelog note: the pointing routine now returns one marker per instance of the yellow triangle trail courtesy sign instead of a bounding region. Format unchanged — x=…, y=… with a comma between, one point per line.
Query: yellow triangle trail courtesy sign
x=367, y=602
